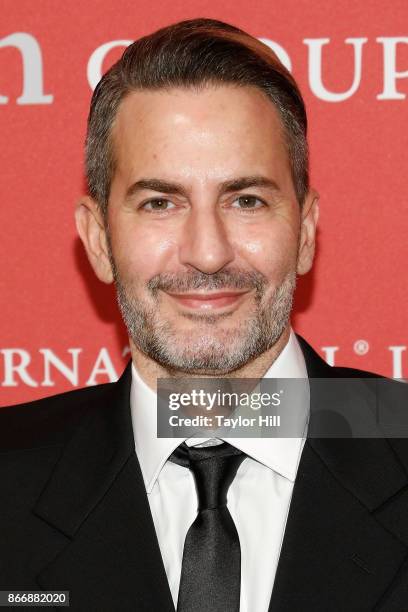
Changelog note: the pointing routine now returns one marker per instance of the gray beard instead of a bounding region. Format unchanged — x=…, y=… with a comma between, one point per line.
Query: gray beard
x=201, y=351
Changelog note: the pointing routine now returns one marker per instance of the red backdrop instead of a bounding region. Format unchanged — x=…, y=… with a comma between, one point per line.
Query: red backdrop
x=351, y=61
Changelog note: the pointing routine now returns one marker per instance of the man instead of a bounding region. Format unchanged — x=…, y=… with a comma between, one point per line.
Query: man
x=200, y=211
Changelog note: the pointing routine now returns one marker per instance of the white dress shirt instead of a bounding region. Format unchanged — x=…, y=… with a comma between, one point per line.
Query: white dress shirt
x=258, y=498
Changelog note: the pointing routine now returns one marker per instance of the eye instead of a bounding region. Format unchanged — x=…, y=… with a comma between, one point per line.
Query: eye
x=248, y=203
x=157, y=204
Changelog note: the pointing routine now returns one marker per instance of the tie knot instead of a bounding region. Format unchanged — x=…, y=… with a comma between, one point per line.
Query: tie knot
x=213, y=468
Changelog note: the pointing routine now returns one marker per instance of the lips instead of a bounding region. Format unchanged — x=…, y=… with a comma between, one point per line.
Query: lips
x=208, y=301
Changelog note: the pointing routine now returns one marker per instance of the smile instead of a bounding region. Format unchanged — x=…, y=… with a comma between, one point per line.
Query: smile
x=208, y=301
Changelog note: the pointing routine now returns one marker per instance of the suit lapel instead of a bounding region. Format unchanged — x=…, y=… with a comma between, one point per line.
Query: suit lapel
x=96, y=497
x=340, y=551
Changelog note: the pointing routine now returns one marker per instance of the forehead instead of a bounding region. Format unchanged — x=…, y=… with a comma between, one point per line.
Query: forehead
x=218, y=126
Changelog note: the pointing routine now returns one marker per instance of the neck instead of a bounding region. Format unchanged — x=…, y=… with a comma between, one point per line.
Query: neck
x=149, y=370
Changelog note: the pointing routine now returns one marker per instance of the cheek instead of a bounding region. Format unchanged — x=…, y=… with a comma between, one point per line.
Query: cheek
x=273, y=254
x=139, y=254
x=254, y=247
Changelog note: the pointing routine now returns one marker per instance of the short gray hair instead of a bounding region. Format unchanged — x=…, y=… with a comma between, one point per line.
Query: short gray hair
x=192, y=54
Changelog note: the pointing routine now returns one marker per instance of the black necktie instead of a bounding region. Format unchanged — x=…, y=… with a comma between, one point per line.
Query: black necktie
x=211, y=568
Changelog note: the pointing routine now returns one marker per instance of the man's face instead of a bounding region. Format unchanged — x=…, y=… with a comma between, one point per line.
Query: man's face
x=204, y=227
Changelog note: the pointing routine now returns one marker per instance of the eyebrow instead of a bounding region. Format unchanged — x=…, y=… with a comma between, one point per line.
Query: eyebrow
x=237, y=184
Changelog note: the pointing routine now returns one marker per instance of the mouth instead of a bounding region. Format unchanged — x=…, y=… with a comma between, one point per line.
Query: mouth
x=208, y=300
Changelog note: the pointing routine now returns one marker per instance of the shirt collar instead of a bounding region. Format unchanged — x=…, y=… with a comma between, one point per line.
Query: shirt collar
x=279, y=454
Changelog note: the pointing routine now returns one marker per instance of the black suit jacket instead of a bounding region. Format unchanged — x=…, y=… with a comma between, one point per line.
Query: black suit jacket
x=75, y=516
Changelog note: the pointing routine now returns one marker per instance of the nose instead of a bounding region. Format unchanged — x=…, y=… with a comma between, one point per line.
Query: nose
x=204, y=243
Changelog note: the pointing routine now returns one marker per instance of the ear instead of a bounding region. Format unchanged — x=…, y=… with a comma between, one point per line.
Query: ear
x=91, y=229
x=309, y=218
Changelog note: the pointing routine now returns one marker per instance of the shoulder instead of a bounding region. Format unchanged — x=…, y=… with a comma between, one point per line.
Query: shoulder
x=346, y=372
x=35, y=435
x=318, y=368
x=343, y=385
x=48, y=421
